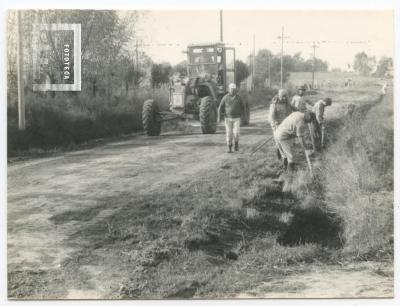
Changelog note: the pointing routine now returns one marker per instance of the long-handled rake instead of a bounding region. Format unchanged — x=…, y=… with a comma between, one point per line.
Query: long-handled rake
x=261, y=145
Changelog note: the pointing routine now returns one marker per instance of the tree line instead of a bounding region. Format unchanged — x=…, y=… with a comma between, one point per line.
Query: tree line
x=367, y=65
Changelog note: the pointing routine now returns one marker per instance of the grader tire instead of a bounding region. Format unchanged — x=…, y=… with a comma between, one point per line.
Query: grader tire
x=150, y=118
x=208, y=115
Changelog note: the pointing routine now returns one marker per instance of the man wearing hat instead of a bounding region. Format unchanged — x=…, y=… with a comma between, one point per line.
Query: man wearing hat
x=279, y=109
x=290, y=128
x=319, y=110
x=299, y=101
x=232, y=106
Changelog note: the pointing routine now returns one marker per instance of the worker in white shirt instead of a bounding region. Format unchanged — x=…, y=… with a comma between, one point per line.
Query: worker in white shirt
x=293, y=126
x=300, y=101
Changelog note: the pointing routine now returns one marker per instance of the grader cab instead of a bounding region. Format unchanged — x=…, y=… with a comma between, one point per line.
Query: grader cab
x=211, y=68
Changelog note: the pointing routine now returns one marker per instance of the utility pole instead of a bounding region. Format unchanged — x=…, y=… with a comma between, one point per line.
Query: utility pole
x=282, y=37
x=21, y=102
x=269, y=70
x=253, y=62
x=221, y=32
x=314, y=46
x=137, y=56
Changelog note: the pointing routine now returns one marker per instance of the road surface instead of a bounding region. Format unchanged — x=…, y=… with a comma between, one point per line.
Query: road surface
x=39, y=190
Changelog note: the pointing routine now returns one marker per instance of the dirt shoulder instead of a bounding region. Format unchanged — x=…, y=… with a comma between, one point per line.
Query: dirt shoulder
x=362, y=280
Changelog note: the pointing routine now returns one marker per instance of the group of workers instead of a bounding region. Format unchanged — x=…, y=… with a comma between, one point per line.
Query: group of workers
x=289, y=120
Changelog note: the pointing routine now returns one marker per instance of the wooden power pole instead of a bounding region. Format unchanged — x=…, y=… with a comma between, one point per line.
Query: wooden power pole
x=253, y=62
x=137, y=55
x=313, y=64
x=269, y=70
x=221, y=29
x=21, y=102
x=282, y=37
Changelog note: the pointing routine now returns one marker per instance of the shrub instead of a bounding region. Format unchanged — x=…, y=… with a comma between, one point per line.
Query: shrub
x=74, y=118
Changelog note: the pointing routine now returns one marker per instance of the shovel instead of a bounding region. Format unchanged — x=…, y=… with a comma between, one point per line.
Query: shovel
x=322, y=137
x=308, y=162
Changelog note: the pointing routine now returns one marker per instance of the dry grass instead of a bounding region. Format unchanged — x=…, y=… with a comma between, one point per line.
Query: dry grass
x=69, y=119
x=358, y=171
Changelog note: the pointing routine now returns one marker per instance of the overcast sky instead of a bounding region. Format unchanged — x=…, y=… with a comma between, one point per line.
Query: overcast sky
x=338, y=34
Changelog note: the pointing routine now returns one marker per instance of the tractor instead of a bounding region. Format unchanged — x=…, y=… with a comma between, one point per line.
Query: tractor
x=210, y=70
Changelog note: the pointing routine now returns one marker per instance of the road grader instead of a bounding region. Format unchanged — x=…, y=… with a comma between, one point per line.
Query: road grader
x=210, y=70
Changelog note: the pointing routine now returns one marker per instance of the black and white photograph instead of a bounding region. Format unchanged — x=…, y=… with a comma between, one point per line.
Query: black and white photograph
x=199, y=153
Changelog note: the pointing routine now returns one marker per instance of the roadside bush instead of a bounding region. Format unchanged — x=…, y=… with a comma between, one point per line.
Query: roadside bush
x=72, y=118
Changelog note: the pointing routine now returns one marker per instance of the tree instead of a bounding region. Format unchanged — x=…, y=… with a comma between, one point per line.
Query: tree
x=104, y=38
x=242, y=71
x=363, y=64
x=261, y=66
x=385, y=66
x=295, y=63
x=181, y=68
x=160, y=74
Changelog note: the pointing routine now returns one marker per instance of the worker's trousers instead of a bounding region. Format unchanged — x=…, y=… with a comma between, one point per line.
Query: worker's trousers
x=315, y=134
x=286, y=147
x=232, y=129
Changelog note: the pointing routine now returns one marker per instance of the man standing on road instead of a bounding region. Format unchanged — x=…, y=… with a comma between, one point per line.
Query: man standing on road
x=232, y=106
x=299, y=101
x=319, y=110
x=285, y=135
x=278, y=111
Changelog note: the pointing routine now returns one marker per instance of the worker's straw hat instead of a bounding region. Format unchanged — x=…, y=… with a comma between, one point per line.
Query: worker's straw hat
x=232, y=86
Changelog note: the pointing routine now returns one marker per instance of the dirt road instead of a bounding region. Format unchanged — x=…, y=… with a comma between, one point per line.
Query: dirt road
x=52, y=201
x=45, y=195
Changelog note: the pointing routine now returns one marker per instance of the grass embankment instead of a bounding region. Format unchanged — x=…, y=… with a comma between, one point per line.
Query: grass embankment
x=353, y=179
x=358, y=170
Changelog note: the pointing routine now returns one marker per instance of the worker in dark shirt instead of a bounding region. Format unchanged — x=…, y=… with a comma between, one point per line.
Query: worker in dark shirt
x=232, y=106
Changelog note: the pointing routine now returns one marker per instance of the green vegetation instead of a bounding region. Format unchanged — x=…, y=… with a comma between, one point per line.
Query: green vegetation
x=71, y=119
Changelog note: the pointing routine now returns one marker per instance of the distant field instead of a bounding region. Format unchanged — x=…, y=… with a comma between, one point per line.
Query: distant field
x=333, y=79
